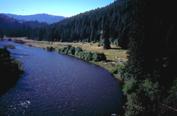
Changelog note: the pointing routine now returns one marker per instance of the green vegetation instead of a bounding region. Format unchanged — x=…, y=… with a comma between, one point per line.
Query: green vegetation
x=111, y=20
x=147, y=28
x=149, y=77
x=50, y=49
x=82, y=54
x=10, y=70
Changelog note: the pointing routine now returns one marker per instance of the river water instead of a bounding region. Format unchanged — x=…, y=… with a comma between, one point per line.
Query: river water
x=59, y=85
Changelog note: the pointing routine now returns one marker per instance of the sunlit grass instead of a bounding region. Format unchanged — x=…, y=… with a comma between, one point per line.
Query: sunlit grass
x=114, y=55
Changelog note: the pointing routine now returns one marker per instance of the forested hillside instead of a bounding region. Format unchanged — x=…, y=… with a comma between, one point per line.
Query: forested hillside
x=9, y=26
x=110, y=22
x=14, y=28
x=150, y=77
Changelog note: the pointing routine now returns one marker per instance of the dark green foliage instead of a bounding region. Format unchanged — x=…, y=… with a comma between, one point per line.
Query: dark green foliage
x=82, y=54
x=85, y=55
x=106, y=44
x=170, y=103
x=32, y=29
x=102, y=23
x=71, y=50
x=77, y=51
x=105, y=23
x=10, y=70
x=120, y=70
x=152, y=63
x=50, y=49
x=142, y=97
x=99, y=56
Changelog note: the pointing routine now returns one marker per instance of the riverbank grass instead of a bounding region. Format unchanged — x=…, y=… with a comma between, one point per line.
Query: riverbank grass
x=114, y=56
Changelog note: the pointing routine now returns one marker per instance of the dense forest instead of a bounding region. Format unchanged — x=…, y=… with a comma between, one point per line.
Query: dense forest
x=90, y=26
x=150, y=77
x=14, y=28
x=93, y=25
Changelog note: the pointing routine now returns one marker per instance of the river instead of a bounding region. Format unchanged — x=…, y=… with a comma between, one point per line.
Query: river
x=59, y=85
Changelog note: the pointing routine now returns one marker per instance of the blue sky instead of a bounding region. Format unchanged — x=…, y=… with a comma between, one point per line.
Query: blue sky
x=56, y=7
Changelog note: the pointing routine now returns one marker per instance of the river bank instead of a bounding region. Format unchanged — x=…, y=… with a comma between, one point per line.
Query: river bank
x=115, y=56
x=10, y=70
x=55, y=84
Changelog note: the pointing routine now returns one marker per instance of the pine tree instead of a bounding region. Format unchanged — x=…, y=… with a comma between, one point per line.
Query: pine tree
x=152, y=60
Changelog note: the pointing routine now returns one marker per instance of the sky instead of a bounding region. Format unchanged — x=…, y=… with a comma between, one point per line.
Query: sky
x=65, y=8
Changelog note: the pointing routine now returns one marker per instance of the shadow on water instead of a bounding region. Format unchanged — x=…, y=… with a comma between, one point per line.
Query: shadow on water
x=7, y=82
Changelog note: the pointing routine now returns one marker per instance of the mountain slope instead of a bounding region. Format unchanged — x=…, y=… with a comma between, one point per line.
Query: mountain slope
x=12, y=27
x=110, y=22
x=42, y=18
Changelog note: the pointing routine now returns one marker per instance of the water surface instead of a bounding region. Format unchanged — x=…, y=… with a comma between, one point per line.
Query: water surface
x=59, y=85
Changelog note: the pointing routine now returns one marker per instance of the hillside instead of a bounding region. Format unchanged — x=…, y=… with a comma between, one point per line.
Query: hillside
x=111, y=22
x=12, y=27
x=42, y=18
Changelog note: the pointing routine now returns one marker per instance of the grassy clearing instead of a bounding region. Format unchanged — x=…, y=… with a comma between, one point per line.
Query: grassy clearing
x=114, y=56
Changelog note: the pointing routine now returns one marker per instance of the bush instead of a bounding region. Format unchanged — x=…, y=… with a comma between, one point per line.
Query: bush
x=86, y=56
x=142, y=97
x=119, y=69
x=50, y=48
x=99, y=57
x=82, y=54
x=71, y=51
x=77, y=51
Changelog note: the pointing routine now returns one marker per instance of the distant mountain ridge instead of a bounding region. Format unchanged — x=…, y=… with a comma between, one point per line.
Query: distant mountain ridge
x=15, y=28
x=42, y=18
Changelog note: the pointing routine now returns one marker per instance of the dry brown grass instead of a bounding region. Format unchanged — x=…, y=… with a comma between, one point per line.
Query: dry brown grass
x=113, y=55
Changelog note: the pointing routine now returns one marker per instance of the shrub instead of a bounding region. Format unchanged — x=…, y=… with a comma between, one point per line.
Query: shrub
x=82, y=54
x=50, y=48
x=77, y=51
x=142, y=97
x=87, y=56
x=71, y=50
x=99, y=57
x=119, y=69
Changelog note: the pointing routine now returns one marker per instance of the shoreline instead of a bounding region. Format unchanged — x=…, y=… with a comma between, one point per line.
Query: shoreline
x=14, y=69
x=115, y=56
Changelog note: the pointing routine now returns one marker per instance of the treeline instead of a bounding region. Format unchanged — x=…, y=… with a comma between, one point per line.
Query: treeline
x=111, y=23
x=13, y=28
